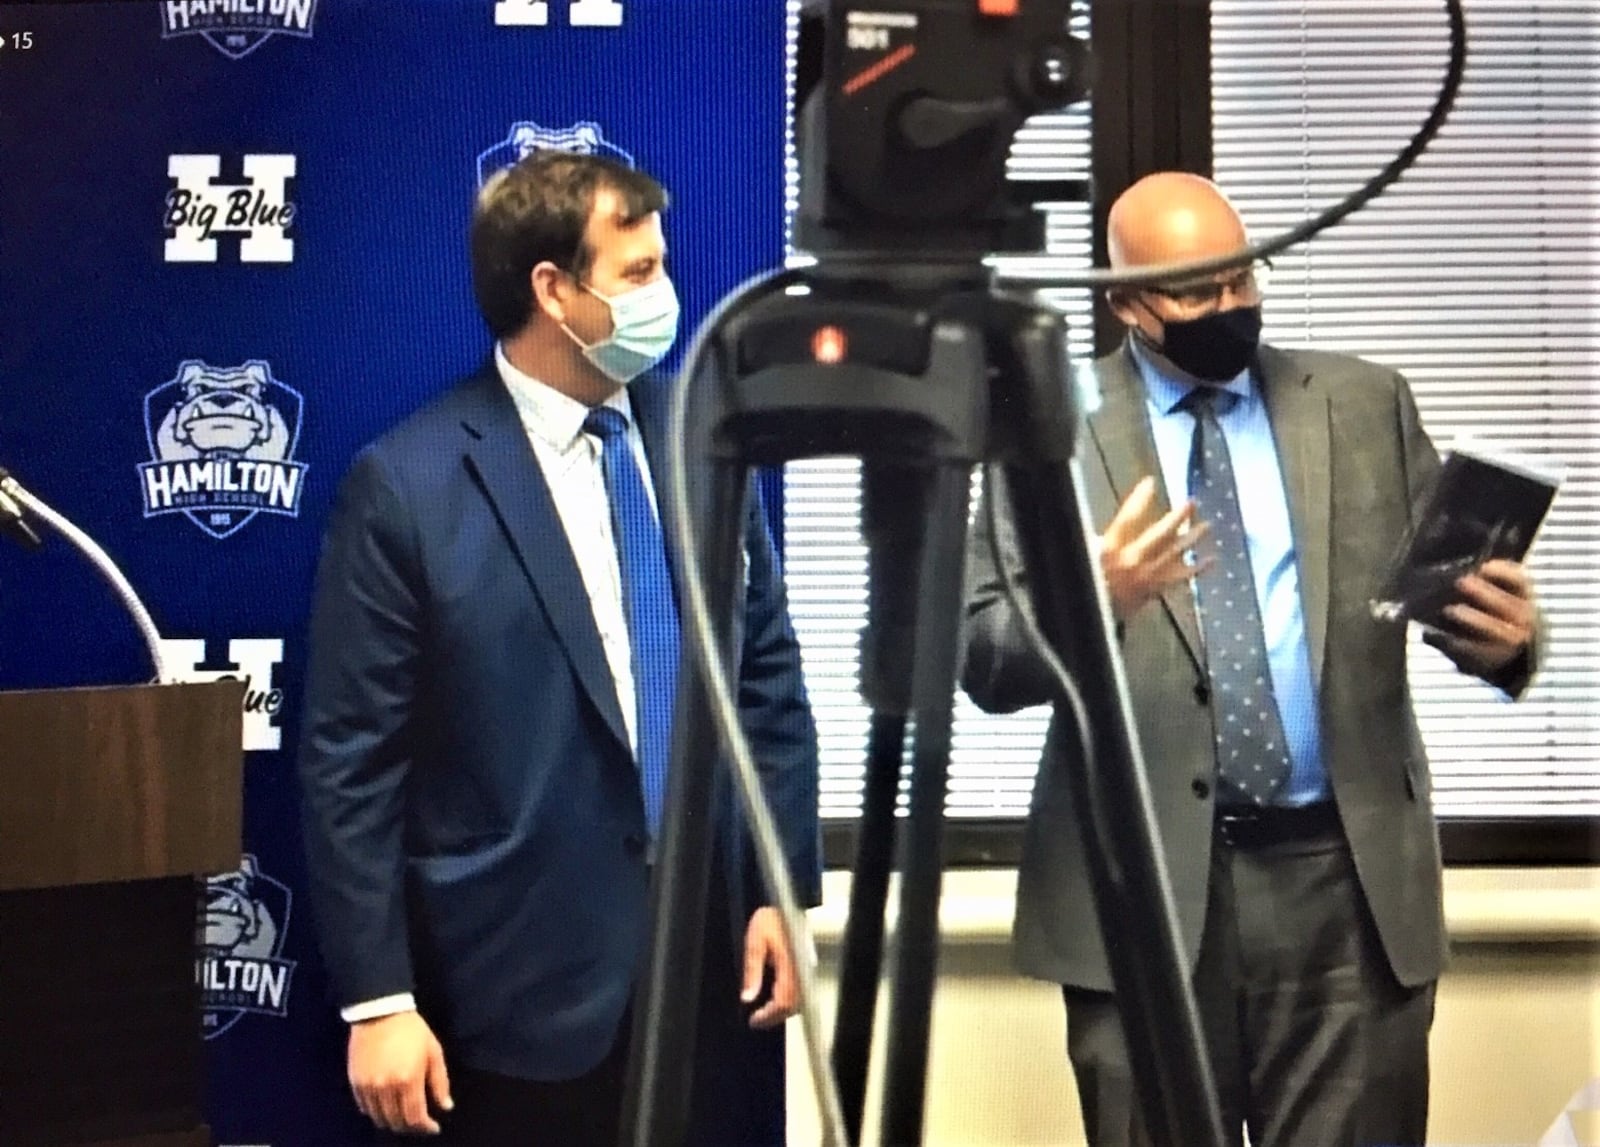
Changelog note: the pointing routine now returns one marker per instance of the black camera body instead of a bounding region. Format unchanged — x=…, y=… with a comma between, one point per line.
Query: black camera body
x=905, y=114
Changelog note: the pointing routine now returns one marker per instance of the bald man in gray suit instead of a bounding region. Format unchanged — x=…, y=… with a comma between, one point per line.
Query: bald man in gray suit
x=1249, y=499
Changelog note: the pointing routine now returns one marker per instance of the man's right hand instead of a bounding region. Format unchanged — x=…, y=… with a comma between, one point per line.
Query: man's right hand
x=395, y=1065
x=1142, y=554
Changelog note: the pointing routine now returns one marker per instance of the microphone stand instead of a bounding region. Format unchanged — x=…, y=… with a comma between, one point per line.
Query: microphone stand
x=14, y=498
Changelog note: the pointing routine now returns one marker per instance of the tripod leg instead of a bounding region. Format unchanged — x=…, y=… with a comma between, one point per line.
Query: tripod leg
x=937, y=652
x=893, y=521
x=861, y=955
x=1133, y=896
x=661, y=1063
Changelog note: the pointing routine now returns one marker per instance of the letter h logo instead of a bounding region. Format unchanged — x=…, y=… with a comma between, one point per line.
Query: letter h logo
x=198, y=209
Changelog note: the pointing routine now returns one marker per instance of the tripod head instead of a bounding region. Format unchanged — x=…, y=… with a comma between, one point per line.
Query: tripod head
x=905, y=114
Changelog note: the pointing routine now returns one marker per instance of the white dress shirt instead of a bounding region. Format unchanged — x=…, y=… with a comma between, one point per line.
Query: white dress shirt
x=570, y=460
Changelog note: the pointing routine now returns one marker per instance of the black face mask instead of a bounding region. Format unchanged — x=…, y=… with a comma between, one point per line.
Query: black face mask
x=1216, y=347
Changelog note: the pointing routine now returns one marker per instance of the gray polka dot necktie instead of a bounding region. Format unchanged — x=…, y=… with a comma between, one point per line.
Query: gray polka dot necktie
x=1252, y=753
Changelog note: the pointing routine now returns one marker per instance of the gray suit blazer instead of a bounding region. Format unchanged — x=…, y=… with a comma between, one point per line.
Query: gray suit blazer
x=1354, y=459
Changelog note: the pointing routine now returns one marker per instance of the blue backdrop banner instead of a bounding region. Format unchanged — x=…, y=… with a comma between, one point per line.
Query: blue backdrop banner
x=232, y=251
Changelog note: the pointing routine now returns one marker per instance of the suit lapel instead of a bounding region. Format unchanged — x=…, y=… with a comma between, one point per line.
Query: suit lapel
x=1300, y=414
x=499, y=454
x=1121, y=432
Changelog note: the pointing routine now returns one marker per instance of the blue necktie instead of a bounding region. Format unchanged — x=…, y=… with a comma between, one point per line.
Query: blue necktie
x=1252, y=752
x=647, y=600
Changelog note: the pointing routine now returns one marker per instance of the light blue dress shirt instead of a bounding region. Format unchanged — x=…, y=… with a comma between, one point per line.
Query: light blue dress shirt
x=1270, y=541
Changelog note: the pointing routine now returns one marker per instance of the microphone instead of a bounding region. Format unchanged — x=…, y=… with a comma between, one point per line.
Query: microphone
x=12, y=523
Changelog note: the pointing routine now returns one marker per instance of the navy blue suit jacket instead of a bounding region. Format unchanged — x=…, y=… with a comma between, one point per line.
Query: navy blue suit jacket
x=473, y=818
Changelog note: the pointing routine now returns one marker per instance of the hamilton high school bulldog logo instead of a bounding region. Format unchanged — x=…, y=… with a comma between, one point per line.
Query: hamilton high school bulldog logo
x=237, y=27
x=526, y=137
x=240, y=968
x=222, y=443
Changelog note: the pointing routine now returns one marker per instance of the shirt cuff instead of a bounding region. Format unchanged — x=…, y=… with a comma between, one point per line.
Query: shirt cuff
x=376, y=1009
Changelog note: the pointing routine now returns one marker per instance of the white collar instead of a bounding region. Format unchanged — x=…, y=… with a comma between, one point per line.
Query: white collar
x=555, y=417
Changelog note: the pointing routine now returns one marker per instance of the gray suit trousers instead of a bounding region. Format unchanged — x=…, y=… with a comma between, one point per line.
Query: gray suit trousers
x=1312, y=1041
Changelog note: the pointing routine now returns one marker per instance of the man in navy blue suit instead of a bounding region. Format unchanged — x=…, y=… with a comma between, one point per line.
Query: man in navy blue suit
x=494, y=647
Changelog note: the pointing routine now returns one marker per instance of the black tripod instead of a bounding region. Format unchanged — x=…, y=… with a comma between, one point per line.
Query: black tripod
x=924, y=373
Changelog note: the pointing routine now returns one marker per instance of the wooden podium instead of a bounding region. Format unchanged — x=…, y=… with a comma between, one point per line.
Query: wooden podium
x=113, y=804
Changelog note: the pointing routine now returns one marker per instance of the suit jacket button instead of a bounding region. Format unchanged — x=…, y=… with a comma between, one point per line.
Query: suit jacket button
x=634, y=843
x=1200, y=787
x=1202, y=692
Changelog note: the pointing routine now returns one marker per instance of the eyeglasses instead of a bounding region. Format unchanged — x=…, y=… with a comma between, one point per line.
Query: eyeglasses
x=1204, y=296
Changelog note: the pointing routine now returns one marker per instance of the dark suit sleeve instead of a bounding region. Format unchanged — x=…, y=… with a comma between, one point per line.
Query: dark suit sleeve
x=1422, y=465
x=777, y=715
x=355, y=747
x=1000, y=671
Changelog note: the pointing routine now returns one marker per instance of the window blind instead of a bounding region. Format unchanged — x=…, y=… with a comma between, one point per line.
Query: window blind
x=1475, y=276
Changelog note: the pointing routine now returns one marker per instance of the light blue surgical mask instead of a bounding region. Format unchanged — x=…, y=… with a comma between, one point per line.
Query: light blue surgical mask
x=644, y=325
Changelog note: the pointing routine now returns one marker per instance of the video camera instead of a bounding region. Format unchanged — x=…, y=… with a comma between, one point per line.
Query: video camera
x=905, y=115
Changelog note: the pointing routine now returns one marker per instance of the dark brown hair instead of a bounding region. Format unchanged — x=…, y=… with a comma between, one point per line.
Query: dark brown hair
x=537, y=211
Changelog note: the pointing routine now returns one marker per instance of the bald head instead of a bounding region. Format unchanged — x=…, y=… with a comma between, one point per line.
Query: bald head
x=1205, y=327
x=1169, y=217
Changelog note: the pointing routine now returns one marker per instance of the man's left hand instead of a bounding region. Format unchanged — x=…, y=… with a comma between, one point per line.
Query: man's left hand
x=765, y=946
x=1493, y=620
